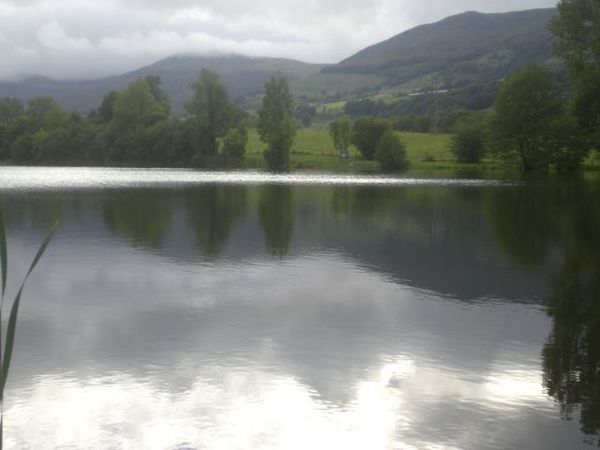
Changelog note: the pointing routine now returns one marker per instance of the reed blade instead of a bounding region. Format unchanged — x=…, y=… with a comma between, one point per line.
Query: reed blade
x=3, y=259
x=14, y=311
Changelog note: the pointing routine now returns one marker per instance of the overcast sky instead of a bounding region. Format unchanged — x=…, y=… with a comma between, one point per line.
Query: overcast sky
x=93, y=38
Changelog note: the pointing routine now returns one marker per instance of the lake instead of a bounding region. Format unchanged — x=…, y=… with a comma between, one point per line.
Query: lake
x=190, y=310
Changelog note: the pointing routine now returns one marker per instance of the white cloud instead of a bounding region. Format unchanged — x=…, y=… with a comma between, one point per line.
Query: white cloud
x=52, y=37
x=91, y=38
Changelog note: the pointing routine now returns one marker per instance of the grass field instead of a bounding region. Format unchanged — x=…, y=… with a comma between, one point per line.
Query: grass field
x=320, y=84
x=313, y=149
x=426, y=153
x=334, y=107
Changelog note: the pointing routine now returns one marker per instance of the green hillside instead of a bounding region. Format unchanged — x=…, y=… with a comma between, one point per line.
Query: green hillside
x=465, y=56
x=459, y=43
x=321, y=84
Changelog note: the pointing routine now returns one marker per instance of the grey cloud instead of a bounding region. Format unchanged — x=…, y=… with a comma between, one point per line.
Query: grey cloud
x=91, y=38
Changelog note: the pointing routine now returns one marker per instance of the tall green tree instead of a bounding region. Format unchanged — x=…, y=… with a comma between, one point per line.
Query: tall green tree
x=155, y=85
x=36, y=136
x=340, y=131
x=276, y=124
x=167, y=144
x=577, y=31
x=210, y=111
x=529, y=124
x=11, y=114
x=105, y=112
x=136, y=107
x=44, y=112
x=10, y=109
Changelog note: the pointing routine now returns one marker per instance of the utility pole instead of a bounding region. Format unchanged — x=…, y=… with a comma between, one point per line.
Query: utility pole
x=433, y=113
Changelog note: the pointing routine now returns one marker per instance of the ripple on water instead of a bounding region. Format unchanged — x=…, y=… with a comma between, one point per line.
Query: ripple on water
x=56, y=178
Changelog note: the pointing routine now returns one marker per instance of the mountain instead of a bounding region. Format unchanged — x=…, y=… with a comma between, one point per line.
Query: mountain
x=468, y=54
x=242, y=75
x=459, y=48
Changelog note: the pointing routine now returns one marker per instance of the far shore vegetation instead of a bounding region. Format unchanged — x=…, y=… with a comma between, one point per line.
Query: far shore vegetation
x=539, y=122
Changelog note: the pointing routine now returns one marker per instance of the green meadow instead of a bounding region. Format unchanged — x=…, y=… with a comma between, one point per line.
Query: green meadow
x=426, y=153
x=313, y=150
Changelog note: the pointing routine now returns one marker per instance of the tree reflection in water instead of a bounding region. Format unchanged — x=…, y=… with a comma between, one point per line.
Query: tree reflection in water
x=276, y=213
x=571, y=356
x=212, y=211
x=142, y=216
x=533, y=225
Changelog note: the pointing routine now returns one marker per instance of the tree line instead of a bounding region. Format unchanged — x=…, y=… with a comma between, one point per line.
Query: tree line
x=134, y=127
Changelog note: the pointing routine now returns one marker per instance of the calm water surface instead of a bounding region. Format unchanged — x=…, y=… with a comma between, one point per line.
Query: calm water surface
x=182, y=310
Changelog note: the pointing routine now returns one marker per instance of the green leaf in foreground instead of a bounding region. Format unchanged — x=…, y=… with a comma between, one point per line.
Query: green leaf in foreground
x=3, y=260
x=12, y=321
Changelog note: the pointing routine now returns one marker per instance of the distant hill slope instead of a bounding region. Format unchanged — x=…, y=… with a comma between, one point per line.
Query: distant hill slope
x=518, y=36
x=466, y=56
x=456, y=37
x=459, y=48
x=242, y=76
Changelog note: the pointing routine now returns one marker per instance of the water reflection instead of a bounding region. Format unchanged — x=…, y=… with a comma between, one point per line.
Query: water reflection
x=276, y=214
x=525, y=222
x=212, y=211
x=143, y=216
x=572, y=352
x=280, y=316
x=534, y=224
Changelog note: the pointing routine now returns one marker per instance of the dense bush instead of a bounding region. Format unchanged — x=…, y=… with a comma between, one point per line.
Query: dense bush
x=234, y=143
x=391, y=152
x=366, y=133
x=468, y=142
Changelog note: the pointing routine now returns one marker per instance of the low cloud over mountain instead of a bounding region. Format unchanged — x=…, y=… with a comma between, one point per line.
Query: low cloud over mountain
x=93, y=38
